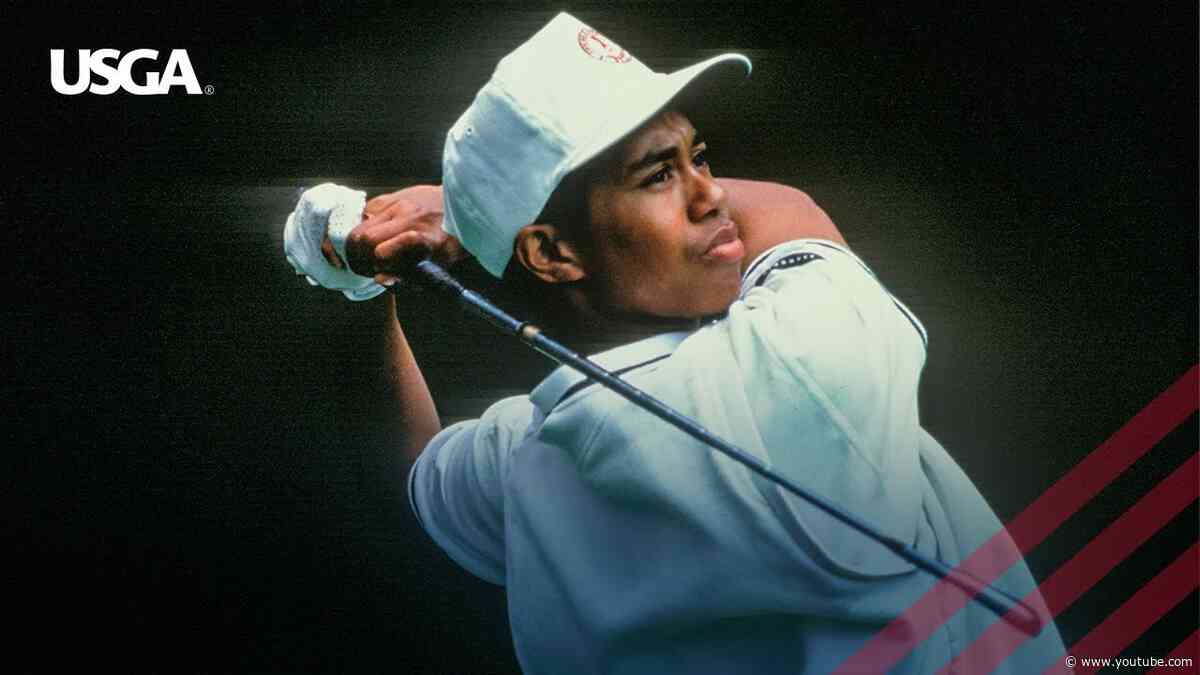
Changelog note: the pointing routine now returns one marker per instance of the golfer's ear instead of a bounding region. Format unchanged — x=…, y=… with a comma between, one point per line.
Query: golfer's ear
x=547, y=255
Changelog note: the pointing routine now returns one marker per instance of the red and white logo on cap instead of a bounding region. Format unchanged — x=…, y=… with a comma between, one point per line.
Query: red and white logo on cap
x=599, y=47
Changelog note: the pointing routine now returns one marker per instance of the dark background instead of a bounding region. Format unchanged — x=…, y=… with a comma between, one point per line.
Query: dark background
x=192, y=488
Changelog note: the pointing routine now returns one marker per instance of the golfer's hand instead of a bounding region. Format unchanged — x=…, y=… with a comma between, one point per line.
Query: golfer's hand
x=397, y=230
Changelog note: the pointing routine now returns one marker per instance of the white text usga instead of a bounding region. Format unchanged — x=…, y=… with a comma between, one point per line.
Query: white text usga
x=103, y=71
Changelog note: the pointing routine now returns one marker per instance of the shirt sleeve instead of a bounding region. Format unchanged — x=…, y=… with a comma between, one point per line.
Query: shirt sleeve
x=820, y=311
x=456, y=486
x=853, y=278
x=832, y=365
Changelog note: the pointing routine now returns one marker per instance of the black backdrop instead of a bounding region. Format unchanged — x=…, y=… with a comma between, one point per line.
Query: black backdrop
x=190, y=489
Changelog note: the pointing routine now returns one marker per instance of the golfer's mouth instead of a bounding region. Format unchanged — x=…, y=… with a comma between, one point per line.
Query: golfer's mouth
x=725, y=246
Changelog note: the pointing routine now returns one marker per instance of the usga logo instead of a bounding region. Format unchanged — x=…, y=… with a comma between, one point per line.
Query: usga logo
x=111, y=71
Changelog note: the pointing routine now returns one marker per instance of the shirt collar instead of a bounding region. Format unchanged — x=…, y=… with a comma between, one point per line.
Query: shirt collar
x=626, y=357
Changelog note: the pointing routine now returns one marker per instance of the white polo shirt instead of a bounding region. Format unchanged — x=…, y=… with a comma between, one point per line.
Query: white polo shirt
x=628, y=547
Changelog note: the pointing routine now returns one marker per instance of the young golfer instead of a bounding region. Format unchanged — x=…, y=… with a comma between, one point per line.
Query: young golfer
x=578, y=176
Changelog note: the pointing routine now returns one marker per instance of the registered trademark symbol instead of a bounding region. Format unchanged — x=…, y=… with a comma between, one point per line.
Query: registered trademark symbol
x=208, y=89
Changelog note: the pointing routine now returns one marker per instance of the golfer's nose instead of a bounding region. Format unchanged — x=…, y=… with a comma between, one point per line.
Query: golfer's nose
x=706, y=196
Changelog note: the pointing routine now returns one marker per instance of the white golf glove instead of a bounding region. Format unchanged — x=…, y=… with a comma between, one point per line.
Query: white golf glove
x=333, y=209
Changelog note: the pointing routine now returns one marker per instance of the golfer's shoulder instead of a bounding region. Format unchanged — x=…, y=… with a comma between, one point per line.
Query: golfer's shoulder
x=506, y=422
x=489, y=438
x=813, y=308
x=808, y=286
x=810, y=279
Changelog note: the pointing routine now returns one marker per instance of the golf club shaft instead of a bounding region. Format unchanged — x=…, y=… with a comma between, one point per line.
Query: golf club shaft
x=1004, y=605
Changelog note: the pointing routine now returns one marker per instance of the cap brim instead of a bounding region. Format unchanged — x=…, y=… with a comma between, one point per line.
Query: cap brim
x=642, y=102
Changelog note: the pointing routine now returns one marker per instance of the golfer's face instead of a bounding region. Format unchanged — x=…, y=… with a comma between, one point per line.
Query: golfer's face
x=663, y=234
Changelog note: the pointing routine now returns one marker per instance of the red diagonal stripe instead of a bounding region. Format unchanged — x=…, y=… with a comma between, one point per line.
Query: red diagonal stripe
x=1031, y=526
x=1089, y=566
x=1188, y=649
x=1106, y=462
x=1138, y=613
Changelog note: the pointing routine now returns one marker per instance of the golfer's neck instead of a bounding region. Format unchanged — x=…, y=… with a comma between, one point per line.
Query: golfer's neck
x=613, y=330
x=597, y=328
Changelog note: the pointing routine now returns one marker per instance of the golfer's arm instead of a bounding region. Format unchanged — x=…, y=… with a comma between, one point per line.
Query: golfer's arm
x=769, y=214
x=409, y=416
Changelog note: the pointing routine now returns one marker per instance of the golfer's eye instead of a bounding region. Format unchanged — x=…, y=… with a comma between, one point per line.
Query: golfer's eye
x=699, y=159
x=660, y=176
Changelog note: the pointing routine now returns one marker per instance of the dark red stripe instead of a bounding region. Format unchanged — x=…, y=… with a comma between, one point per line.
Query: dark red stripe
x=1139, y=612
x=1106, y=462
x=890, y=645
x=1088, y=567
x=1188, y=649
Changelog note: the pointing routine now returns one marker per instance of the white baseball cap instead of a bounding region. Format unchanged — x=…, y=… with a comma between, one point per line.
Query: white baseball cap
x=554, y=103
